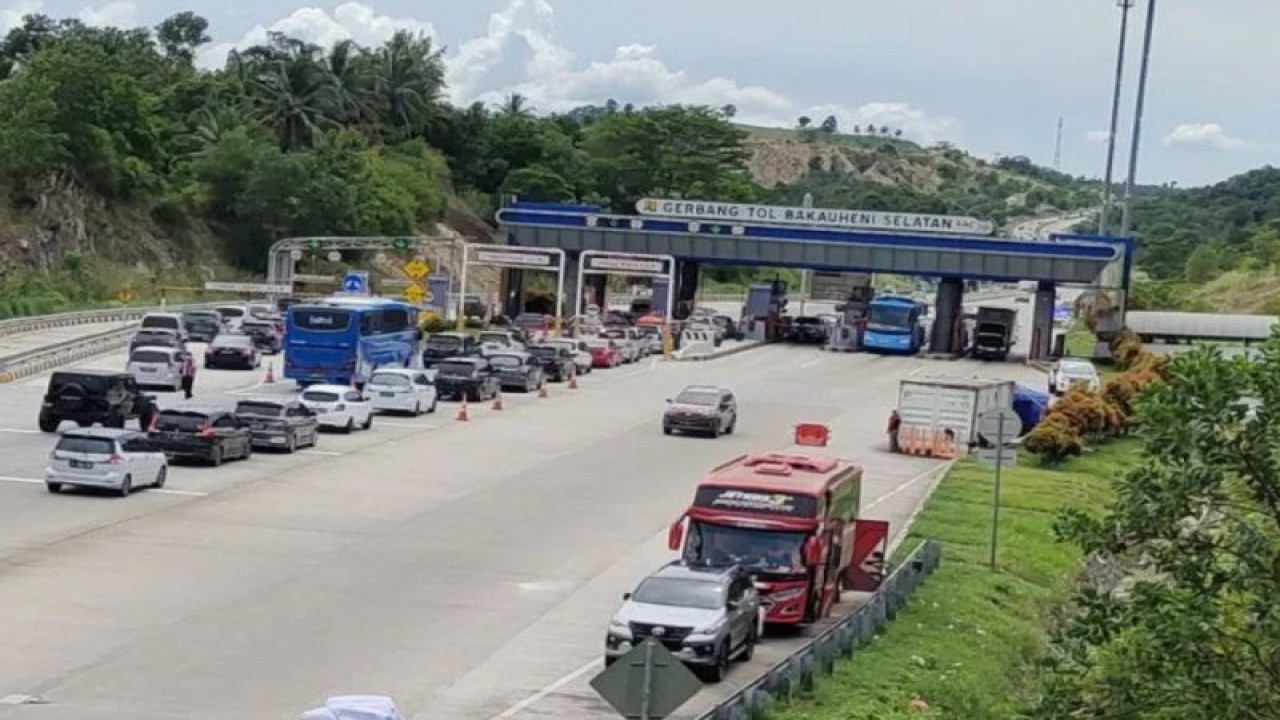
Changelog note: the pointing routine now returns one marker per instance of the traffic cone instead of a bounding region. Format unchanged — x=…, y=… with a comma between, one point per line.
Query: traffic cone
x=573, y=381
x=462, y=411
x=542, y=391
x=497, y=401
x=271, y=373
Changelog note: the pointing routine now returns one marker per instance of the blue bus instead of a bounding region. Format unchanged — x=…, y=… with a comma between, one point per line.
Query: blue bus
x=340, y=339
x=894, y=325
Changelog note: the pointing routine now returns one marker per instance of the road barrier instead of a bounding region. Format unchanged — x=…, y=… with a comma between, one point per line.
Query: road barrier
x=14, y=326
x=696, y=342
x=33, y=362
x=799, y=670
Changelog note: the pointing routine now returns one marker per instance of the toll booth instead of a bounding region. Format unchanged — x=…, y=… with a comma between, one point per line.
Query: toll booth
x=846, y=336
x=762, y=313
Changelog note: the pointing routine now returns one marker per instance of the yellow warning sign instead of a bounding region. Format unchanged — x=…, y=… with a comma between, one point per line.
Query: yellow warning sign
x=125, y=295
x=414, y=294
x=416, y=269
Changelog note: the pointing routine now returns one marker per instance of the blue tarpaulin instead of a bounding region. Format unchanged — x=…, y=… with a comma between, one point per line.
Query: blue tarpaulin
x=1030, y=405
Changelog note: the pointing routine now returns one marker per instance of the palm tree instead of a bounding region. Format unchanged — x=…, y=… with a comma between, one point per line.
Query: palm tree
x=408, y=77
x=296, y=98
x=897, y=133
x=857, y=129
x=210, y=126
x=348, y=65
x=515, y=104
x=804, y=121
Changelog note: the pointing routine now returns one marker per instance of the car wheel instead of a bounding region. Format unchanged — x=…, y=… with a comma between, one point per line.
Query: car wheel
x=215, y=457
x=417, y=408
x=434, y=400
x=292, y=445
x=160, y=478
x=666, y=430
x=351, y=425
x=54, y=488
x=732, y=424
x=126, y=487
x=49, y=424
x=368, y=422
x=717, y=672
x=248, y=450
x=749, y=645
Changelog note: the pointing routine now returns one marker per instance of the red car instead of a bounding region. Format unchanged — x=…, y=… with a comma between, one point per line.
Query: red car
x=604, y=353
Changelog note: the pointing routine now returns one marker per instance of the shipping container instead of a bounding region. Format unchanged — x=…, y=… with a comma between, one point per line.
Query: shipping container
x=931, y=406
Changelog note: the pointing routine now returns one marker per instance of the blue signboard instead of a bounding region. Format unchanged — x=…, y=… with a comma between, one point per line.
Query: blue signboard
x=355, y=282
x=1062, y=313
x=438, y=293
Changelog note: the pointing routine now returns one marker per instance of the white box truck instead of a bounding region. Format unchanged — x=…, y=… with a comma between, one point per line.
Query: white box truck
x=928, y=407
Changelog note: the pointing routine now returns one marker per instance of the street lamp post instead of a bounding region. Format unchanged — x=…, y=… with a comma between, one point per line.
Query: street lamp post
x=1125, y=6
x=1126, y=222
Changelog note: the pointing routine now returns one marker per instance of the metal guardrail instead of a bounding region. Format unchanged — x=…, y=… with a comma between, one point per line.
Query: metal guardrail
x=14, y=326
x=799, y=670
x=33, y=362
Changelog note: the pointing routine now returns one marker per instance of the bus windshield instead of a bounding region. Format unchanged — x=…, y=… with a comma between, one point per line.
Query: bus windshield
x=767, y=551
x=889, y=318
x=321, y=319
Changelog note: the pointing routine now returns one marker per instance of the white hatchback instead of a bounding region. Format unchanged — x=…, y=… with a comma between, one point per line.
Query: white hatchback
x=402, y=390
x=338, y=407
x=107, y=458
x=156, y=366
x=1066, y=373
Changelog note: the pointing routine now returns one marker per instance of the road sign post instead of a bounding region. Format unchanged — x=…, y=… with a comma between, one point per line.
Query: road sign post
x=998, y=426
x=416, y=269
x=648, y=683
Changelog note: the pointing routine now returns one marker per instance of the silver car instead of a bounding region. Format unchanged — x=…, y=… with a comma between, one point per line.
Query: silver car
x=156, y=366
x=706, y=616
x=107, y=458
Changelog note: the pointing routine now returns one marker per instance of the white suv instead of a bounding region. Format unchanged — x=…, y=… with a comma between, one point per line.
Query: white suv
x=338, y=407
x=156, y=366
x=1066, y=373
x=402, y=390
x=109, y=458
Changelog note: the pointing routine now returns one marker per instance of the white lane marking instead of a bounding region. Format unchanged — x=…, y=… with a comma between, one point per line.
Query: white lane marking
x=419, y=426
x=162, y=491
x=811, y=363
x=21, y=431
x=917, y=371
x=909, y=483
x=534, y=698
x=328, y=453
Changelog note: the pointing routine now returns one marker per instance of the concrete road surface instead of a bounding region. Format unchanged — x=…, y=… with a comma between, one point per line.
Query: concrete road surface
x=467, y=569
x=28, y=341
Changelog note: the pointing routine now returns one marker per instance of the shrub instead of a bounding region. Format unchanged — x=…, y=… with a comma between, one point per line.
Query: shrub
x=1055, y=439
x=432, y=323
x=1084, y=410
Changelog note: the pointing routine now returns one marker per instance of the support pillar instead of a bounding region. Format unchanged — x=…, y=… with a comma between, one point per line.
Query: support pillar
x=686, y=288
x=1042, y=321
x=512, y=292
x=947, y=313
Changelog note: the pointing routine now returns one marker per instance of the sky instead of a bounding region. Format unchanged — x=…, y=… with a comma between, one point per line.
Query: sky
x=989, y=76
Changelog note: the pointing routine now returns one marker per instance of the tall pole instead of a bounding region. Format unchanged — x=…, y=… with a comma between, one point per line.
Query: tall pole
x=1126, y=222
x=1125, y=6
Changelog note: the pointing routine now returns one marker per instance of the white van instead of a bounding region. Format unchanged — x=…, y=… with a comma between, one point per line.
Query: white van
x=156, y=366
x=232, y=316
x=165, y=321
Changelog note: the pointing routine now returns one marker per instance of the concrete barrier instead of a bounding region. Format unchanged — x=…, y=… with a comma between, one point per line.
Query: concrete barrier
x=15, y=326
x=695, y=342
x=35, y=362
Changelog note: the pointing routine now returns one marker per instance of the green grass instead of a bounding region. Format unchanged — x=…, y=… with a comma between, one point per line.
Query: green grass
x=966, y=641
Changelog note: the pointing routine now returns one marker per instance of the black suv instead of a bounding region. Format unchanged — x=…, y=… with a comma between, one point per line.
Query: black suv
x=86, y=397
x=556, y=361
x=705, y=409
x=472, y=378
x=210, y=435
x=444, y=345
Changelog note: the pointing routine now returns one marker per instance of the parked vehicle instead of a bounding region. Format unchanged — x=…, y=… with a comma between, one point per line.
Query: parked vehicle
x=580, y=352
x=469, y=377
x=706, y=616
x=894, y=325
x=232, y=351
x=105, y=458
x=155, y=337
x=807, y=329
x=86, y=397
x=605, y=353
x=208, y=435
x=156, y=367
x=402, y=390
x=556, y=362
x=339, y=407
x=165, y=321
x=443, y=345
x=202, y=325
x=504, y=339
x=232, y=316
x=266, y=339
x=1067, y=372
x=948, y=408
x=790, y=520
x=651, y=336
x=533, y=325
x=629, y=349
x=517, y=370
x=342, y=340
x=705, y=409
x=995, y=332
x=279, y=423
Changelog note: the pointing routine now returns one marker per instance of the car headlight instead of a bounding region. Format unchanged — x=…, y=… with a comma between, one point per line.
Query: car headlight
x=711, y=629
x=619, y=628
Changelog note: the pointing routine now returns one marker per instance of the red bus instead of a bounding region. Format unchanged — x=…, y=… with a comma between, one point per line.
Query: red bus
x=792, y=521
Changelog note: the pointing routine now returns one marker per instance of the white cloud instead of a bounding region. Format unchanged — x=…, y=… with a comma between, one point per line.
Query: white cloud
x=349, y=21
x=12, y=13
x=1210, y=135
x=1098, y=136
x=913, y=122
x=120, y=13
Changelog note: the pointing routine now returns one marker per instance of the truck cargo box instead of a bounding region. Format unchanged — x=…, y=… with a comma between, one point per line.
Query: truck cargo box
x=930, y=406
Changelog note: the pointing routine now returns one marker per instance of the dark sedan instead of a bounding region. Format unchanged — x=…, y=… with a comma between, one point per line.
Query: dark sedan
x=444, y=345
x=232, y=351
x=283, y=424
x=469, y=377
x=266, y=338
x=517, y=370
x=807, y=329
x=557, y=363
x=207, y=435
x=202, y=325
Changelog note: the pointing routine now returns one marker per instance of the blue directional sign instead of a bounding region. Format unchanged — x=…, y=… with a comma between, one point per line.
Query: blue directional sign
x=355, y=282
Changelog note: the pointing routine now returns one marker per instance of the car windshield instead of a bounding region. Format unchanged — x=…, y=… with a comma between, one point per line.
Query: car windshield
x=257, y=327
x=160, y=321
x=149, y=356
x=444, y=341
x=389, y=380
x=702, y=594
x=231, y=312
x=807, y=321
x=500, y=338
x=505, y=361
x=762, y=550
x=698, y=397
x=889, y=318
x=320, y=396
x=154, y=333
x=179, y=421
x=231, y=341
x=200, y=319
x=87, y=445
x=456, y=369
x=544, y=352
x=263, y=409
x=598, y=344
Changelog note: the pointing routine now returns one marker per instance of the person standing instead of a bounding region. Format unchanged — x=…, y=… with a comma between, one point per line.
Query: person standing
x=895, y=422
x=188, y=373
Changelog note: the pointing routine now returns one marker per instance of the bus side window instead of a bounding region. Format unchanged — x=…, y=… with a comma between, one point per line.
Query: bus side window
x=370, y=323
x=394, y=320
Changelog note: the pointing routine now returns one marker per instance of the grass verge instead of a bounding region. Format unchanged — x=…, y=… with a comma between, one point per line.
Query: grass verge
x=965, y=642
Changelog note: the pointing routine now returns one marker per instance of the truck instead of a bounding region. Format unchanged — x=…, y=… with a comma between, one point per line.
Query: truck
x=941, y=413
x=995, y=332
x=792, y=521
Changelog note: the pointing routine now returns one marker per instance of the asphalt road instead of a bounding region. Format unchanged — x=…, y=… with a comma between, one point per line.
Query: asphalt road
x=28, y=341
